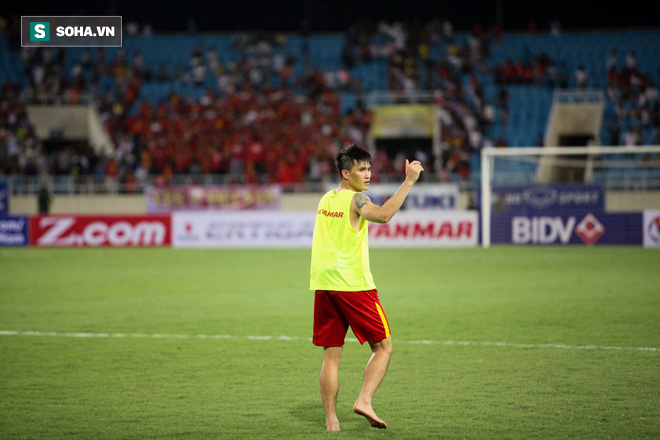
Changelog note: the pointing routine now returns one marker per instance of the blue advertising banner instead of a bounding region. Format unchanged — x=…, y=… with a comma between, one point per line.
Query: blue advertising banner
x=13, y=231
x=422, y=196
x=559, y=228
x=4, y=199
x=528, y=199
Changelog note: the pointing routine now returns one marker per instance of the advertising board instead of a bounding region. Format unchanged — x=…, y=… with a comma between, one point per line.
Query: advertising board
x=296, y=229
x=558, y=228
x=651, y=228
x=94, y=231
x=212, y=197
x=13, y=231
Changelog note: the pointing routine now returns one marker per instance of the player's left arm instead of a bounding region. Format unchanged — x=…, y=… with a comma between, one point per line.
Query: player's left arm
x=365, y=208
x=382, y=214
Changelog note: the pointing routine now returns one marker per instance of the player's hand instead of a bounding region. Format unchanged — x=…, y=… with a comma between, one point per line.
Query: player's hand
x=413, y=170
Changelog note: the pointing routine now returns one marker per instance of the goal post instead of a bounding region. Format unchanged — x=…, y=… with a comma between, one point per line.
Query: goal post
x=633, y=169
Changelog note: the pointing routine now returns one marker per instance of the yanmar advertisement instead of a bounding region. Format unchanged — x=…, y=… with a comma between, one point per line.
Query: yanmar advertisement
x=426, y=229
x=94, y=231
x=295, y=230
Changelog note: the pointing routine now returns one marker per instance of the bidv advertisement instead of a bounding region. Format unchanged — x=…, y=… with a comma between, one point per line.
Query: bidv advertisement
x=94, y=231
x=291, y=229
x=590, y=229
x=559, y=214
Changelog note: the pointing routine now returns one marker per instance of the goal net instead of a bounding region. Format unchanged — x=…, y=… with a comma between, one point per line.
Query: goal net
x=567, y=195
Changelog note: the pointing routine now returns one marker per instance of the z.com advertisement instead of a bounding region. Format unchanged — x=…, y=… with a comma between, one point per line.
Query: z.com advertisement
x=95, y=231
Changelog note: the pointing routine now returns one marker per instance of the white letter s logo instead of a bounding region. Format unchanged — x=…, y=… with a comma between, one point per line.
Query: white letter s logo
x=39, y=31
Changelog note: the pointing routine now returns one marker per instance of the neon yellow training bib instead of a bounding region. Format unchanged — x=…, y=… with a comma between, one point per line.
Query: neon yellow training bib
x=340, y=254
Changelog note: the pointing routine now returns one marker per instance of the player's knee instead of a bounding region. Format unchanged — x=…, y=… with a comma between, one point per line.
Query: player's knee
x=384, y=347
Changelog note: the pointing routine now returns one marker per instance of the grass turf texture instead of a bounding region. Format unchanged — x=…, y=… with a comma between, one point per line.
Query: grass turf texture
x=552, y=301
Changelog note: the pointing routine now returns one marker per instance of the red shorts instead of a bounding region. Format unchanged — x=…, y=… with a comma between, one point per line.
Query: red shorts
x=335, y=311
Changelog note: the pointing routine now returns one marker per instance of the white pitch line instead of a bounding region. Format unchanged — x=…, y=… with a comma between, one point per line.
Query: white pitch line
x=295, y=338
x=562, y=346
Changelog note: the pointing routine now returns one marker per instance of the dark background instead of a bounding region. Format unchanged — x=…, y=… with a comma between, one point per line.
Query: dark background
x=338, y=15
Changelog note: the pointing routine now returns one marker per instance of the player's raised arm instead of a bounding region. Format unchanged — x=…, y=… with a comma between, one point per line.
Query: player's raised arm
x=382, y=214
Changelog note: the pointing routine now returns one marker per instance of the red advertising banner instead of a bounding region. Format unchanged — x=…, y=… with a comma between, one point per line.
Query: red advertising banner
x=212, y=197
x=427, y=229
x=94, y=231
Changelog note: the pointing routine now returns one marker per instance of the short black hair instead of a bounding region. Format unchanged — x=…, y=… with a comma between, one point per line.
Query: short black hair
x=350, y=155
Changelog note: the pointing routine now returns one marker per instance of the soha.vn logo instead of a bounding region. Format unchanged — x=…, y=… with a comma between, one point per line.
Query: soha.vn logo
x=39, y=31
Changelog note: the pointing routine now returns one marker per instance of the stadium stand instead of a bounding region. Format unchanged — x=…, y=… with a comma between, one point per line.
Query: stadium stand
x=274, y=107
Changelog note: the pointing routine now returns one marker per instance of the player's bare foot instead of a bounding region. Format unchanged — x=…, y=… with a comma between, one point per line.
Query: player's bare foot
x=368, y=413
x=332, y=425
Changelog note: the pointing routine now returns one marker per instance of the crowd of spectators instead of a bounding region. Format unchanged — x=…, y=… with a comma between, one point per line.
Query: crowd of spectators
x=632, y=93
x=253, y=106
x=244, y=129
x=635, y=97
x=247, y=136
x=22, y=153
x=20, y=149
x=408, y=48
x=273, y=116
x=539, y=69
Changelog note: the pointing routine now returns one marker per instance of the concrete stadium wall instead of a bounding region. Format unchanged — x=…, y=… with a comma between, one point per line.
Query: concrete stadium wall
x=127, y=204
x=136, y=204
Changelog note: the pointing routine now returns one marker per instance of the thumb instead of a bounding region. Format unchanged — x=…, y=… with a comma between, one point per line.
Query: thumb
x=407, y=163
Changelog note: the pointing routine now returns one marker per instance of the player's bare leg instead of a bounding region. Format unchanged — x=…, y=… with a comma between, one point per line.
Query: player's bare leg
x=373, y=376
x=330, y=385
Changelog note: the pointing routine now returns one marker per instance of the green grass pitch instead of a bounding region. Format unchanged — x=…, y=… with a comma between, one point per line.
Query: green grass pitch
x=500, y=343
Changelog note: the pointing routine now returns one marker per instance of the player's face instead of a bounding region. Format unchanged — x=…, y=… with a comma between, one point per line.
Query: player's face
x=359, y=176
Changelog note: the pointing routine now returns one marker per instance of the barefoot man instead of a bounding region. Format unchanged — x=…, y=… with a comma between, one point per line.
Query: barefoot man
x=345, y=293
